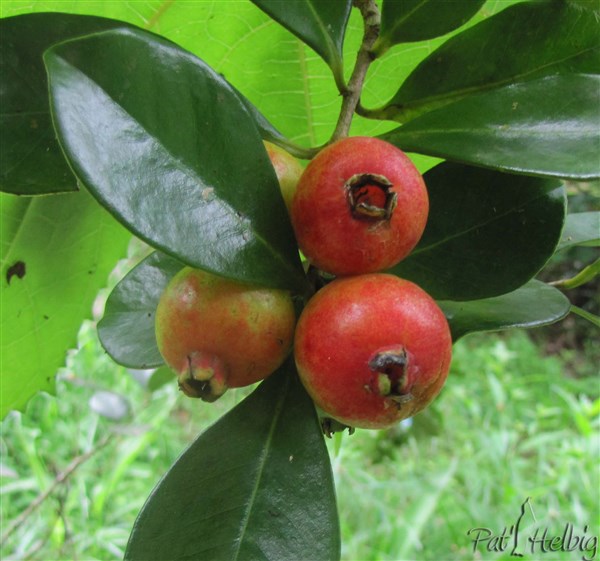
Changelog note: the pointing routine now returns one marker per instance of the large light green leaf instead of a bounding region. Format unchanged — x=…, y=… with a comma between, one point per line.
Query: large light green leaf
x=547, y=127
x=165, y=144
x=31, y=160
x=533, y=305
x=417, y=20
x=57, y=252
x=127, y=328
x=526, y=41
x=488, y=233
x=321, y=24
x=256, y=485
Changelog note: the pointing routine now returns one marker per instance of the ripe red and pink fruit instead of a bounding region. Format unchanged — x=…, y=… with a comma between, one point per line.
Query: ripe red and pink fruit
x=360, y=206
x=216, y=333
x=372, y=349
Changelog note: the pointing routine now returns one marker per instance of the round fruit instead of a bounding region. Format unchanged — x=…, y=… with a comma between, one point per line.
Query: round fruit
x=287, y=169
x=360, y=206
x=216, y=333
x=372, y=350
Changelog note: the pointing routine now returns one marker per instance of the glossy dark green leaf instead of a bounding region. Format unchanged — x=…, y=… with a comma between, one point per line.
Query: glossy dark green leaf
x=525, y=41
x=126, y=330
x=31, y=160
x=548, y=127
x=321, y=24
x=488, y=233
x=166, y=145
x=57, y=253
x=581, y=228
x=533, y=305
x=417, y=20
x=257, y=485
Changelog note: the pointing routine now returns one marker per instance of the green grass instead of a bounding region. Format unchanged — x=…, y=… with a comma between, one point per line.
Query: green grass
x=510, y=424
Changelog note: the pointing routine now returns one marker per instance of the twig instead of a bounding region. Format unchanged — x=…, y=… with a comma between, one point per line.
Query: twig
x=372, y=23
x=58, y=480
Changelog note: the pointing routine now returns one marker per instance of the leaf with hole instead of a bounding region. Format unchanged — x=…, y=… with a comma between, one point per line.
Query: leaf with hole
x=57, y=254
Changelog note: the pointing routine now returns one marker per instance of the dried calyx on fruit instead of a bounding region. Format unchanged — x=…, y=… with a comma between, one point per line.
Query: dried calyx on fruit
x=370, y=197
x=360, y=207
x=372, y=349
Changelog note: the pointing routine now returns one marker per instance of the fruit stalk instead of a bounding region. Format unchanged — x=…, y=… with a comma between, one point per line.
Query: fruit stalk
x=372, y=24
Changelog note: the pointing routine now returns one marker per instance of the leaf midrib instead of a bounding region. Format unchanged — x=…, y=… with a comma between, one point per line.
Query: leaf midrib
x=435, y=101
x=407, y=16
x=261, y=468
x=493, y=219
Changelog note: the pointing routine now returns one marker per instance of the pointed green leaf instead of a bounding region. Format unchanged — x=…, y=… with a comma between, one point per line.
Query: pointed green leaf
x=165, y=144
x=533, y=305
x=548, y=127
x=525, y=41
x=256, y=485
x=321, y=24
x=31, y=160
x=126, y=329
x=57, y=252
x=581, y=228
x=488, y=233
x=418, y=20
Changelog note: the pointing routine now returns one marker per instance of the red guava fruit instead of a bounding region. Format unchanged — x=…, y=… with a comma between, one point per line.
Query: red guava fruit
x=372, y=349
x=360, y=207
x=216, y=333
x=288, y=171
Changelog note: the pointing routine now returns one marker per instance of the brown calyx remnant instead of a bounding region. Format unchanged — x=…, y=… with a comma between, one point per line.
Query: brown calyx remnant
x=204, y=378
x=391, y=378
x=370, y=197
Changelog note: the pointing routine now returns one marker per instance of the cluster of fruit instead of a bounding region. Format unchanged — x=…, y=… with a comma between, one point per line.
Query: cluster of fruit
x=370, y=348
